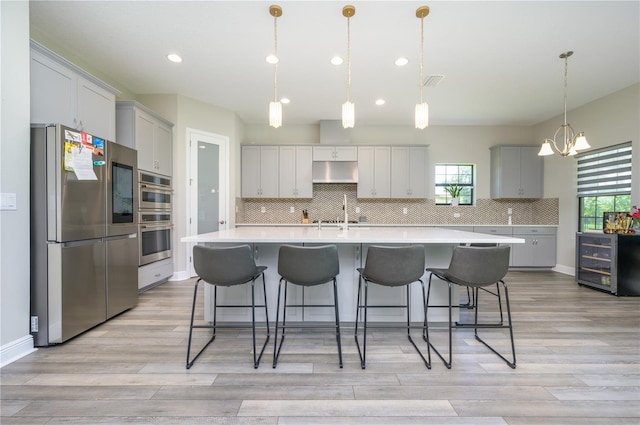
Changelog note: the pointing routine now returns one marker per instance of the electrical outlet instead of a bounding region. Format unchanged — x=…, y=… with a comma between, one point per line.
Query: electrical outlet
x=263, y=210
x=292, y=209
x=34, y=323
x=456, y=215
x=405, y=210
x=357, y=210
x=509, y=210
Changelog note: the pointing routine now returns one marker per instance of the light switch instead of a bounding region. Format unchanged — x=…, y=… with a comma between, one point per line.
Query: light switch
x=8, y=201
x=509, y=210
x=263, y=210
x=405, y=210
x=292, y=209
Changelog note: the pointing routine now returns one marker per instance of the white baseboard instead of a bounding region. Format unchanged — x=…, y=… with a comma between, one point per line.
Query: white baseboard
x=182, y=275
x=571, y=271
x=15, y=350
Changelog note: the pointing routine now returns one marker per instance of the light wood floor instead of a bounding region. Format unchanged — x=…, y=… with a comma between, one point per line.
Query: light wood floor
x=578, y=363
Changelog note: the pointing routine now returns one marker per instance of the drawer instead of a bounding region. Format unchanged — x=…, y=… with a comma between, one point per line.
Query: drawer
x=494, y=230
x=156, y=272
x=532, y=231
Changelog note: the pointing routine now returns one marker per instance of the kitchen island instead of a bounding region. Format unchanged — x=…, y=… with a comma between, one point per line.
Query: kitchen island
x=352, y=248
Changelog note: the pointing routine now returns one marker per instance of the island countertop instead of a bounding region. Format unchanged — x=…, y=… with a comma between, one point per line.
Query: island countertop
x=355, y=235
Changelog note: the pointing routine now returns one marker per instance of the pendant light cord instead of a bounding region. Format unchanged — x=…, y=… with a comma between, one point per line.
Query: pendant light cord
x=421, y=82
x=348, y=58
x=275, y=69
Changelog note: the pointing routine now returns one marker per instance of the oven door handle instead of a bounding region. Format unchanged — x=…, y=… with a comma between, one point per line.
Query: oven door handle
x=156, y=226
x=156, y=188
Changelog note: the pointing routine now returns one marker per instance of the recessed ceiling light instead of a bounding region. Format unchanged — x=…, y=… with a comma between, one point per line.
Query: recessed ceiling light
x=337, y=60
x=285, y=100
x=272, y=59
x=401, y=61
x=174, y=57
x=380, y=102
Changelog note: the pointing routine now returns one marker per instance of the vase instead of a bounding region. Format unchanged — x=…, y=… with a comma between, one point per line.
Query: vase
x=455, y=202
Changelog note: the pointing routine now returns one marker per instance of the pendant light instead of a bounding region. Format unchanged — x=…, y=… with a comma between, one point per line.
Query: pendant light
x=571, y=142
x=348, y=108
x=422, y=108
x=275, y=107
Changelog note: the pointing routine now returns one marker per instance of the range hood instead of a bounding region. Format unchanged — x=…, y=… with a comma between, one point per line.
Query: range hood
x=335, y=172
x=332, y=133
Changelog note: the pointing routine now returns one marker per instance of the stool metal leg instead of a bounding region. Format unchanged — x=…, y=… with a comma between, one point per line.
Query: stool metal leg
x=193, y=311
x=512, y=364
x=335, y=306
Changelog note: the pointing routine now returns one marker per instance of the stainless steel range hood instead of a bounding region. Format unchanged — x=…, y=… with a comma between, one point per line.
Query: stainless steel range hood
x=335, y=172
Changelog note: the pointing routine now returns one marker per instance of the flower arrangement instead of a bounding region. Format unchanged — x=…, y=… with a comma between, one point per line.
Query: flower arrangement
x=634, y=213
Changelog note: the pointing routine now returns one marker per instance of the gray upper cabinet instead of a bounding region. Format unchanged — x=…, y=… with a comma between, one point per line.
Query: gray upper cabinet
x=374, y=172
x=516, y=172
x=151, y=135
x=409, y=172
x=260, y=171
x=335, y=153
x=65, y=94
x=295, y=177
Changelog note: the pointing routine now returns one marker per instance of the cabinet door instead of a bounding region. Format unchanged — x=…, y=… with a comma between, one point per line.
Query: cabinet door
x=144, y=125
x=510, y=172
x=304, y=174
x=544, y=251
x=96, y=110
x=269, y=171
x=323, y=153
x=287, y=172
x=346, y=153
x=250, y=172
x=53, y=92
x=162, y=148
x=531, y=173
x=374, y=172
x=408, y=172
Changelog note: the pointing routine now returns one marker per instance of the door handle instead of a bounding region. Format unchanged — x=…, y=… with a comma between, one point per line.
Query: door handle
x=222, y=222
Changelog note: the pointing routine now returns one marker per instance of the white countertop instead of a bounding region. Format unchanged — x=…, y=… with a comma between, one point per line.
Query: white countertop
x=356, y=235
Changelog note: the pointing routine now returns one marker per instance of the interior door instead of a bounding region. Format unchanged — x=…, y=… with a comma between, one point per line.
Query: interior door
x=208, y=185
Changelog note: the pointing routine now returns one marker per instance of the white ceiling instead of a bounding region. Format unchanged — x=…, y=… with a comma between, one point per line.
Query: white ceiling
x=500, y=59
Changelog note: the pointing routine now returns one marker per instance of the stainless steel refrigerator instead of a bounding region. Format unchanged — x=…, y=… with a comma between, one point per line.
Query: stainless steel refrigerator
x=84, y=254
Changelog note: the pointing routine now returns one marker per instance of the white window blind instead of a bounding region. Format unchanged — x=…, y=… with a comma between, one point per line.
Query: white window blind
x=605, y=171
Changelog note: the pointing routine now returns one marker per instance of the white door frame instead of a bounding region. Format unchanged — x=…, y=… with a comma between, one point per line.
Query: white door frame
x=192, y=184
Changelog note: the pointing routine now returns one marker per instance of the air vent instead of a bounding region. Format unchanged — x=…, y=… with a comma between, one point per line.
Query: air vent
x=433, y=80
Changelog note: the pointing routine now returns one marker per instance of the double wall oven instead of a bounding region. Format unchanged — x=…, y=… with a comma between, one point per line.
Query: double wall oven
x=154, y=217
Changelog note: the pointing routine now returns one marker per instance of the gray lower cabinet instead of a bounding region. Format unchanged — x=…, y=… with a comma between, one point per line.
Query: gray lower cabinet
x=539, y=249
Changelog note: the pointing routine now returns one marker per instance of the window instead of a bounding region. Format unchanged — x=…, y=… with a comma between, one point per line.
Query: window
x=604, y=184
x=454, y=174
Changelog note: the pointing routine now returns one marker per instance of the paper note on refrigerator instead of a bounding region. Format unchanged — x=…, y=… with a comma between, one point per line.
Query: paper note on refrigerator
x=79, y=160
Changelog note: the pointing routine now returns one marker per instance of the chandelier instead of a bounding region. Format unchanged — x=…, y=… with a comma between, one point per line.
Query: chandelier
x=275, y=107
x=422, y=108
x=348, y=108
x=571, y=142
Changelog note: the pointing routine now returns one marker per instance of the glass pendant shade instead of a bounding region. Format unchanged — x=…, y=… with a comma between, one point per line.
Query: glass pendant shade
x=348, y=114
x=581, y=142
x=422, y=115
x=275, y=114
x=545, y=149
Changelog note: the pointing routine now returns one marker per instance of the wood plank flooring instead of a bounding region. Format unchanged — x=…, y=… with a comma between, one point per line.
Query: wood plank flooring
x=578, y=353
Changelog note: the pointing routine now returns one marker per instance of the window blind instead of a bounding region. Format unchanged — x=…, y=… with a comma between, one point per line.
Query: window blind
x=605, y=171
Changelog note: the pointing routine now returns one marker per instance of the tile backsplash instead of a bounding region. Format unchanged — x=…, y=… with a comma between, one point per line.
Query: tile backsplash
x=327, y=205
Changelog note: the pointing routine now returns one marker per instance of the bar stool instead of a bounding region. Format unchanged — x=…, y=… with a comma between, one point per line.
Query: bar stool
x=475, y=267
x=397, y=266
x=306, y=266
x=227, y=267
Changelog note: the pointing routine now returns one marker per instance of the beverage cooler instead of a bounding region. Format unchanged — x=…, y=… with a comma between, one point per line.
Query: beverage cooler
x=609, y=262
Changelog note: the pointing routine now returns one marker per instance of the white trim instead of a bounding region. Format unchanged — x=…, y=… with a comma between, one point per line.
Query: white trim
x=15, y=350
x=177, y=276
x=571, y=271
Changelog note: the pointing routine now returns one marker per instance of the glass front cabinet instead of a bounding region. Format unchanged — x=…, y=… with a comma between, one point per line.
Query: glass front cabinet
x=609, y=262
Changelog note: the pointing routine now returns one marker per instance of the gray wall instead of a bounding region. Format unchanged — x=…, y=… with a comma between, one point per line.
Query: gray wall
x=607, y=121
x=15, y=339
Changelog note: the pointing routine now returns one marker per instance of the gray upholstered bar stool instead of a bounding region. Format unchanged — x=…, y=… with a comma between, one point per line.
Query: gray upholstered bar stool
x=392, y=266
x=475, y=267
x=306, y=266
x=227, y=267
